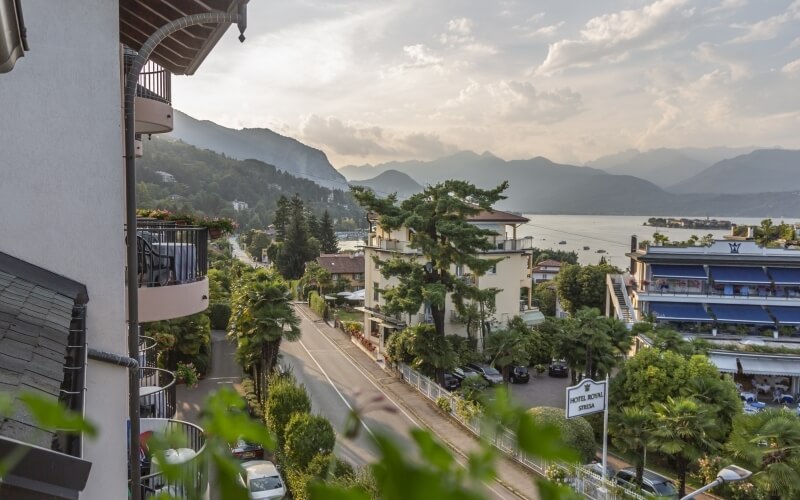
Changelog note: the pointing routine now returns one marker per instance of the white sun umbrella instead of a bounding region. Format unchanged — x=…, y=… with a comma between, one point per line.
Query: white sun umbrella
x=357, y=295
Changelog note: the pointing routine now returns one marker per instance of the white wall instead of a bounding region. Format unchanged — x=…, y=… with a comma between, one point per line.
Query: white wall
x=62, y=192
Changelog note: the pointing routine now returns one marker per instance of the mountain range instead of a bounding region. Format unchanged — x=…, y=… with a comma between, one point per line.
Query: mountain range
x=391, y=181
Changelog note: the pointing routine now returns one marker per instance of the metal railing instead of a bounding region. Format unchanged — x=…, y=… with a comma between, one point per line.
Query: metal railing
x=582, y=480
x=157, y=393
x=512, y=245
x=154, y=82
x=778, y=294
x=148, y=351
x=191, y=442
x=171, y=254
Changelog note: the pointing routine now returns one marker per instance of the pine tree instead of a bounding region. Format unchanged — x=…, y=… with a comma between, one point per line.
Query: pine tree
x=281, y=218
x=296, y=247
x=327, y=237
x=313, y=224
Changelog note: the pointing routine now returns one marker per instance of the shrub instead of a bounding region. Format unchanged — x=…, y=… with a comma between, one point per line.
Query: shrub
x=444, y=404
x=327, y=465
x=352, y=327
x=254, y=406
x=284, y=400
x=297, y=482
x=555, y=474
x=466, y=409
x=306, y=436
x=317, y=304
x=219, y=314
x=576, y=433
x=472, y=387
x=186, y=374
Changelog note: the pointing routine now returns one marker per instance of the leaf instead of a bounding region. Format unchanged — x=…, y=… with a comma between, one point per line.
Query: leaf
x=431, y=450
x=51, y=415
x=321, y=491
x=541, y=440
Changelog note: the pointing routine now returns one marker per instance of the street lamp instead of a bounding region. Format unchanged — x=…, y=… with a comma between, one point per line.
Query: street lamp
x=729, y=474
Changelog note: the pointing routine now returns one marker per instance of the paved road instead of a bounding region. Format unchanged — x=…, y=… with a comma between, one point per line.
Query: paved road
x=335, y=384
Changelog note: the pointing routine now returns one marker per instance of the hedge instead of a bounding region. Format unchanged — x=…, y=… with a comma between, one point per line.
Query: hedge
x=306, y=436
x=575, y=432
x=284, y=400
x=317, y=304
x=219, y=314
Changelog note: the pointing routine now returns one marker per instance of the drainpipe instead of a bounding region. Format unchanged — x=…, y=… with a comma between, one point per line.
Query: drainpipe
x=132, y=78
x=114, y=359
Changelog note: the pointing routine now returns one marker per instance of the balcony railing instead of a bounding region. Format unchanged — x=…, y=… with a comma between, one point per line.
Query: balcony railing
x=148, y=350
x=154, y=83
x=169, y=254
x=190, y=443
x=780, y=293
x=513, y=245
x=157, y=393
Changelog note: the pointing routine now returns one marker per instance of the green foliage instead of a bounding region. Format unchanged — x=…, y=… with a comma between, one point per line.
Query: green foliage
x=545, y=296
x=219, y=314
x=444, y=404
x=465, y=349
x=583, y=286
x=254, y=405
x=292, y=263
x=188, y=340
x=472, y=388
x=306, y=436
x=318, y=304
x=576, y=432
x=187, y=374
x=563, y=256
x=327, y=236
x=508, y=347
x=630, y=428
x=316, y=276
x=285, y=398
x=257, y=242
x=708, y=468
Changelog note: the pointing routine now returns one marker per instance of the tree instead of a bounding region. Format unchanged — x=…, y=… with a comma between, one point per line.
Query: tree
x=327, y=237
x=545, y=296
x=683, y=429
x=183, y=340
x=660, y=239
x=583, y=286
x=769, y=445
x=258, y=242
x=313, y=224
x=261, y=318
x=285, y=399
x=444, y=238
x=509, y=347
x=316, y=276
x=305, y=437
x=576, y=432
x=630, y=432
x=281, y=219
x=292, y=263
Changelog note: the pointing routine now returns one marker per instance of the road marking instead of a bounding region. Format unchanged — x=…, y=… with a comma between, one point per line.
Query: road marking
x=358, y=368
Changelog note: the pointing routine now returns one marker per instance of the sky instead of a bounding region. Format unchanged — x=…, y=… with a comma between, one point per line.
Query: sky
x=374, y=81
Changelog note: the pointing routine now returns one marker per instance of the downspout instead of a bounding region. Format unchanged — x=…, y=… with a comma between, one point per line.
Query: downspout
x=114, y=359
x=132, y=79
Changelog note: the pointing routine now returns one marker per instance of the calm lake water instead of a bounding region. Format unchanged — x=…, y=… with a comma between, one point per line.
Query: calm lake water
x=611, y=233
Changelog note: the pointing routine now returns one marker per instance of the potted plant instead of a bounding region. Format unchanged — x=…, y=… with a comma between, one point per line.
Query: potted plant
x=218, y=226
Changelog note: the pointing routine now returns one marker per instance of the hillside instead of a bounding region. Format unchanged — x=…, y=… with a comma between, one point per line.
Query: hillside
x=663, y=167
x=391, y=181
x=285, y=153
x=207, y=182
x=764, y=170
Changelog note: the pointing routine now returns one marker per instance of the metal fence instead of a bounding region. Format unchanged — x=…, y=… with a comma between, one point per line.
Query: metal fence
x=194, y=469
x=581, y=479
x=171, y=254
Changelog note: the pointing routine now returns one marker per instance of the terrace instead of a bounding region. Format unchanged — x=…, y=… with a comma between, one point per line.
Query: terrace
x=188, y=441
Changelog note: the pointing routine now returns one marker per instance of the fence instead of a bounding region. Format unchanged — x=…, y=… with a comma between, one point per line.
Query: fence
x=581, y=479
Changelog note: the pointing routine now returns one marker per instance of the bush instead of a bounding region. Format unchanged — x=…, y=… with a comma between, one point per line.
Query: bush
x=576, y=432
x=444, y=404
x=466, y=409
x=327, y=465
x=219, y=314
x=317, y=304
x=284, y=400
x=254, y=406
x=186, y=374
x=306, y=436
x=352, y=327
x=472, y=387
x=297, y=481
x=466, y=349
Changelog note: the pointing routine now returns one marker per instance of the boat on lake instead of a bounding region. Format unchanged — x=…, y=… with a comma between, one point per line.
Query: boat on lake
x=562, y=242
x=586, y=248
x=600, y=251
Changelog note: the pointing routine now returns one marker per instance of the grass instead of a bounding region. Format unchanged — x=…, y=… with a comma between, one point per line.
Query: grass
x=343, y=315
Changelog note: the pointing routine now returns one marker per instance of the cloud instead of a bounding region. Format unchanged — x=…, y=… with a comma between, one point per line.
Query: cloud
x=768, y=28
x=610, y=37
x=792, y=69
x=735, y=64
x=459, y=36
x=545, y=31
x=521, y=101
x=461, y=26
x=427, y=145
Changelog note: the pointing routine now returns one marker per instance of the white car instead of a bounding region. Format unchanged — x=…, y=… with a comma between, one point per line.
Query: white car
x=263, y=480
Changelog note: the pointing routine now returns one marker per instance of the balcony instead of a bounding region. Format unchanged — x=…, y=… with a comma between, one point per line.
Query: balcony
x=513, y=245
x=148, y=350
x=153, y=103
x=157, y=394
x=172, y=263
x=720, y=294
x=190, y=443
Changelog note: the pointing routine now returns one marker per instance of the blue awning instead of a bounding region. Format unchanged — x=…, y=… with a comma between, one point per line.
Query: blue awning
x=735, y=313
x=744, y=275
x=785, y=275
x=786, y=315
x=684, y=272
x=679, y=311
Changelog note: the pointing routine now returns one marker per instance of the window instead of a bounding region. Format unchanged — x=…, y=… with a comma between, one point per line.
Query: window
x=376, y=294
x=492, y=270
x=459, y=270
x=335, y=277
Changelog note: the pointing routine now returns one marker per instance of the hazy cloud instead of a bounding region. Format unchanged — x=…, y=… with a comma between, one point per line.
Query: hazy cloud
x=768, y=28
x=521, y=101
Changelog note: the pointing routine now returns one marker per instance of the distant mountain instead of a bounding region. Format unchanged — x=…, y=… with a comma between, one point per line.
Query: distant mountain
x=663, y=167
x=764, y=170
x=391, y=181
x=285, y=153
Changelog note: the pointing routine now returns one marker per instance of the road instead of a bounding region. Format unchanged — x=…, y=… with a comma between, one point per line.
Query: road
x=336, y=384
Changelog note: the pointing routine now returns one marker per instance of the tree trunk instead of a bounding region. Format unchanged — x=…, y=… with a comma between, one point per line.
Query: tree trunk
x=438, y=325
x=272, y=349
x=682, y=465
x=639, y=467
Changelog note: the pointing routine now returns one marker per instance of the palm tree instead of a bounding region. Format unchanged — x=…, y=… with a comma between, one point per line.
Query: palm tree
x=262, y=316
x=631, y=432
x=769, y=444
x=683, y=429
x=591, y=343
x=721, y=396
x=509, y=347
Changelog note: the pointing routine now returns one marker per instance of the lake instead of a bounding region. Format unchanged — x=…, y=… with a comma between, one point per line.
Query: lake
x=611, y=233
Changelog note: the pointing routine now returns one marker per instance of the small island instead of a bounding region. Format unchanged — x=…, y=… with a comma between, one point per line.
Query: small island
x=688, y=223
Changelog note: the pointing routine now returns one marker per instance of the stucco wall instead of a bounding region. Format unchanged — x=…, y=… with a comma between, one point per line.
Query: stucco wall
x=62, y=192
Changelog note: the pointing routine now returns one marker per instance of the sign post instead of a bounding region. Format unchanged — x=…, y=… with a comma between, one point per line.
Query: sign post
x=590, y=397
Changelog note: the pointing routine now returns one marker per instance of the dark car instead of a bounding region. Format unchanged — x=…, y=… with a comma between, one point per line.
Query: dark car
x=464, y=372
x=558, y=369
x=244, y=450
x=652, y=483
x=488, y=372
x=519, y=375
x=451, y=382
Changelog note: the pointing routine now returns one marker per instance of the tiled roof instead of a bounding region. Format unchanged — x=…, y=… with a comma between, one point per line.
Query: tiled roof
x=342, y=263
x=497, y=216
x=549, y=263
x=35, y=317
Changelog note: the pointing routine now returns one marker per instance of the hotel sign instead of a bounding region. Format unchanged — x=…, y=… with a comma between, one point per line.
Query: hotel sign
x=586, y=398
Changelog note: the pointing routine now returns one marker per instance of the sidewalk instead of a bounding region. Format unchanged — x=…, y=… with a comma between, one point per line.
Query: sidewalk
x=513, y=476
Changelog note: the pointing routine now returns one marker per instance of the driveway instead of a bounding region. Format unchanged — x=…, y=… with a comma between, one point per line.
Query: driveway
x=542, y=390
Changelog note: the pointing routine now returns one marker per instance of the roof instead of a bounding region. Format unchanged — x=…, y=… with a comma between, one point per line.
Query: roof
x=549, y=263
x=183, y=51
x=36, y=310
x=342, y=263
x=497, y=216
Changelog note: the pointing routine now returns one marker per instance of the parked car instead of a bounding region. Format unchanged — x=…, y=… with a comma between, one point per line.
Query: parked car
x=464, y=372
x=244, y=450
x=262, y=480
x=451, y=382
x=488, y=372
x=597, y=468
x=558, y=368
x=652, y=483
x=519, y=375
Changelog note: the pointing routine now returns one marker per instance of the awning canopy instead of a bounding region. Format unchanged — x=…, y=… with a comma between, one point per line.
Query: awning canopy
x=726, y=364
x=679, y=312
x=786, y=315
x=744, y=275
x=735, y=313
x=754, y=365
x=785, y=275
x=685, y=272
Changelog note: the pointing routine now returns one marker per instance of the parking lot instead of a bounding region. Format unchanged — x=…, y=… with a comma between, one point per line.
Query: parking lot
x=542, y=390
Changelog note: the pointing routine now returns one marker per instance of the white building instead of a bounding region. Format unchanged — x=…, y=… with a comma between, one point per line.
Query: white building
x=239, y=205
x=732, y=293
x=62, y=261
x=510, y=276
x=166, y=177
x=545, y=270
